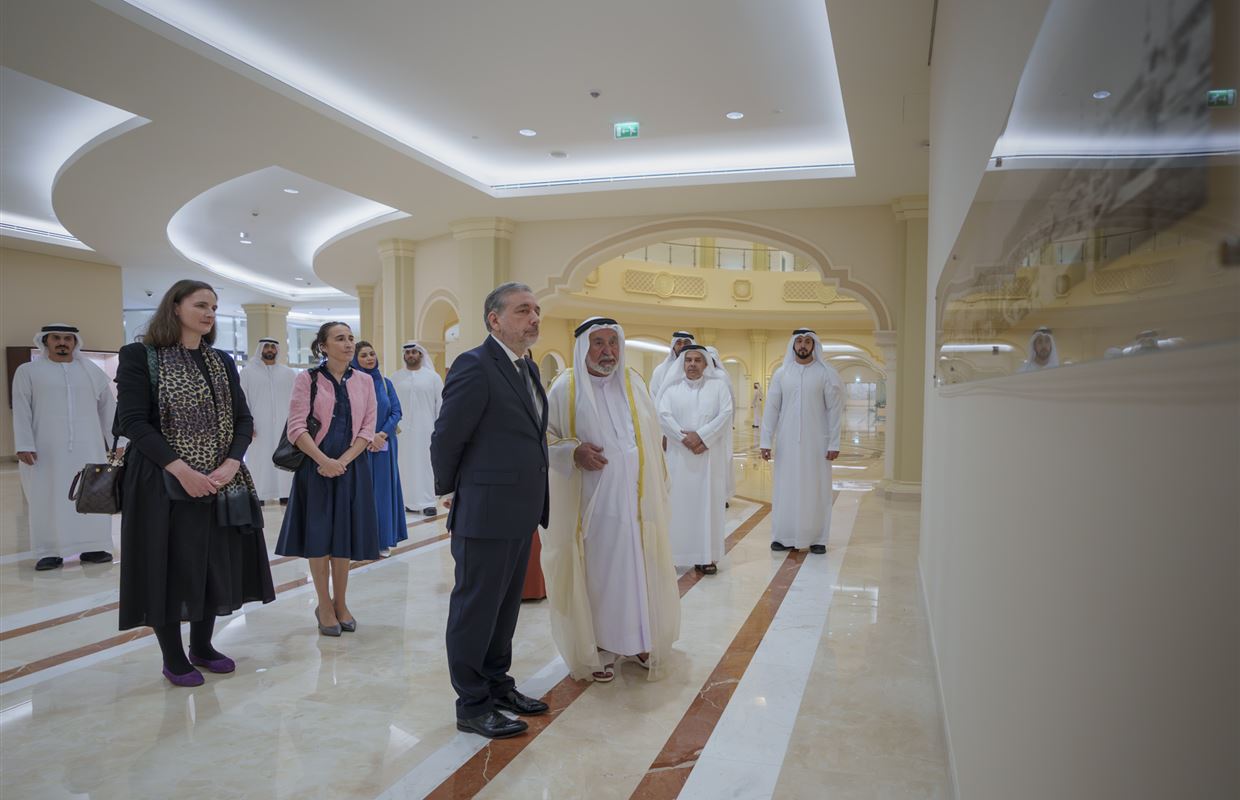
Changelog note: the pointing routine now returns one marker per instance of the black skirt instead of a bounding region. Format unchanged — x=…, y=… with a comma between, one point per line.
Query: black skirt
x=177, y=563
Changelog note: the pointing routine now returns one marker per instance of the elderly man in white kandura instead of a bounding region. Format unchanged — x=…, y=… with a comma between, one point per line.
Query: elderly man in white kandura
x=605, y=556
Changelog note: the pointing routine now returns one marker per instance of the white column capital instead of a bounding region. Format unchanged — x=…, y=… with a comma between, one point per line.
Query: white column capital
x=397, y=248
x=758, y=337
x=365, y=291
x=483, y=228
x=912, y=206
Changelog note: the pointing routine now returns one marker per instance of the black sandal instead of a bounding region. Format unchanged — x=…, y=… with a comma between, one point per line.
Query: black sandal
x=709, y=569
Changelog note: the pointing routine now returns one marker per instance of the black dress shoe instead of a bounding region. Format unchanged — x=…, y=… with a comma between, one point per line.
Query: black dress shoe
x=50, y=562
x=818, y=548
x=492, y=725
x=430, y=511
x=518, y=703
x=96, y=557
x=779, y=547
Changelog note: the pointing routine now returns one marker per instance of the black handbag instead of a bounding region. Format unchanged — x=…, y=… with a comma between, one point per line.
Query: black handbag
x=96, y=488
x=176, y=492
x=287, y=456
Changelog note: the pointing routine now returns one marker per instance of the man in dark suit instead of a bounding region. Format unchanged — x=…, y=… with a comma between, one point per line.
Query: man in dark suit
x=489, y=451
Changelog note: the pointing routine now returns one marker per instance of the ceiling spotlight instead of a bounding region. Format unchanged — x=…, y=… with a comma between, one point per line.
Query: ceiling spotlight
x=527, y=132
x=243, y=234
x=246, y=241
x=1101, y=94
x=735, y=115
x=303, y=280
x=292, y=191
x=558, y=154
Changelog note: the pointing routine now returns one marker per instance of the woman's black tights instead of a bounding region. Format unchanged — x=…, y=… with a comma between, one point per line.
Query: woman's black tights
x=173, y=650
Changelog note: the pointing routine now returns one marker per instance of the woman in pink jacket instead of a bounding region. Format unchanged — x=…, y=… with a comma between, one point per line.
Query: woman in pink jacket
x=331, y=510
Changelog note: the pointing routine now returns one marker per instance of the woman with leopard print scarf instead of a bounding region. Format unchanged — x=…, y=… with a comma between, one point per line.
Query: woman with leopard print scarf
x=192, y=545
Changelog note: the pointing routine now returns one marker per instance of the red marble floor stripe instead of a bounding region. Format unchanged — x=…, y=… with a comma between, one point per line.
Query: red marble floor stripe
x=671, y=768
x=103, y=609
x=473, y=776
x=130, y=635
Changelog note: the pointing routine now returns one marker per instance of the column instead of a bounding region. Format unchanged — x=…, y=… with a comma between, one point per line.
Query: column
x=908, y=394
x=484, y=256
x=707, y=255
x=366, y=312
x=707, y=337
x=396, y=257
x=757, y=358
x=761, y=258
x=887, y=344
x=266, y=321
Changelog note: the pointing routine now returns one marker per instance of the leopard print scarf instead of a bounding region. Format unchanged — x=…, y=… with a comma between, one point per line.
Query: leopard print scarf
x=197, y=418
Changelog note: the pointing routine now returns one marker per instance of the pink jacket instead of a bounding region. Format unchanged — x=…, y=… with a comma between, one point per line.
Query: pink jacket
x=361, y=391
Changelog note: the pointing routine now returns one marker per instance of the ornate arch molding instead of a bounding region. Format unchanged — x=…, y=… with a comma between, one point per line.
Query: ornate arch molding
x=439, y=295
x=616, y=245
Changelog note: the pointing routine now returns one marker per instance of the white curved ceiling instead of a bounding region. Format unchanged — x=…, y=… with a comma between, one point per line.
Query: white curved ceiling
x=264, y=229
x=454, y=83
x=43, y=126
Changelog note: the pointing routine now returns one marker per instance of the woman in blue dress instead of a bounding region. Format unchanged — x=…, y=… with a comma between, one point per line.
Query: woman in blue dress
x=389, y=500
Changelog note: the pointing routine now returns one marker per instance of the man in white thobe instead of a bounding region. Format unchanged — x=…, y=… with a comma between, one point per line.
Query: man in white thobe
x=804, y=407
x=756, y=405
x=695, y=411
x=62, y=416
x=606, y=557
x=268, y=387
x=680, y=340
x=420, y=390
x=1043, y=354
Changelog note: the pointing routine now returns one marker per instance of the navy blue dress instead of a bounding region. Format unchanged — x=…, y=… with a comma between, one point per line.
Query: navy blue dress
x=333, y=516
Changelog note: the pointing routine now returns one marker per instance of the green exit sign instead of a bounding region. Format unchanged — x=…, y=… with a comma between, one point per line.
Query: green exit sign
x=626, y=130
x=1220, y=98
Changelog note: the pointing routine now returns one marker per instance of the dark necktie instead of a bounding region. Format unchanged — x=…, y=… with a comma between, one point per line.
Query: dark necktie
x=523, y=367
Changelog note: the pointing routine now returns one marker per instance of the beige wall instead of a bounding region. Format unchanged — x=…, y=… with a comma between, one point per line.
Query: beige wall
x=1059, y=512
x=36, y=289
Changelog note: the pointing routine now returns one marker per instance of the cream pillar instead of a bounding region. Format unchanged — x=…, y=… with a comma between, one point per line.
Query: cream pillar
x=887, y=344
x=484, y=252
x=395, y=299
x=757, y=358
x=266, y=320
x=909, y=390
x=707, y=337
x=707, y=255
x=761, y=258
x=366, y=312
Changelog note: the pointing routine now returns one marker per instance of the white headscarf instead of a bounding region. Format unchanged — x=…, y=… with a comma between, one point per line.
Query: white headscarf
x=412, y=345
x=790, y=356
x=718, y=362
x=59, y=327
x=581, y=346
x=676, y=372
x=671, y=353
x=1053, y=361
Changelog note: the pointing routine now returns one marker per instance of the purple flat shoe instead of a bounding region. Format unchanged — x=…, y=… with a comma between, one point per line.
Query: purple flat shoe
x=217, y=665
x=191, y=678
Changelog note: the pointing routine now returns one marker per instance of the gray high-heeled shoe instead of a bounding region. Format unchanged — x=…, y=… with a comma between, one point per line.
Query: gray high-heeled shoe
x=348, y=627
x=334, y=630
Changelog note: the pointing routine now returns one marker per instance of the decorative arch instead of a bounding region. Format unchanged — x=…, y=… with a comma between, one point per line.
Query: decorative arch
x=440, y=307
x=616, y=245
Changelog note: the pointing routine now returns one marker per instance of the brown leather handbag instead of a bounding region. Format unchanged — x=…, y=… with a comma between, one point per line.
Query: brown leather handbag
x=96, y=489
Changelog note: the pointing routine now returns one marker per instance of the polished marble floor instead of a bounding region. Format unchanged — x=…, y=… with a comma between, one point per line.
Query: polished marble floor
x=796, y=676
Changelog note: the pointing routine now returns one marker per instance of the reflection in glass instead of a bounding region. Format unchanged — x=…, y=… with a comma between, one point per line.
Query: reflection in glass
x=1107, y=224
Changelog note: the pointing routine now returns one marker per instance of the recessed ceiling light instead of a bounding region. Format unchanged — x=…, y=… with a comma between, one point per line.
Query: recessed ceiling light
x=735, y=115
x=558, y=154
x=292, y=191
x=303, y=280
x=246, y=241
x=527, y=132
x=1101, y=94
